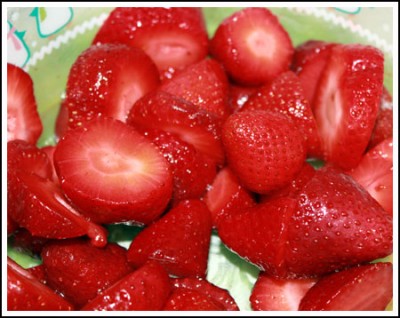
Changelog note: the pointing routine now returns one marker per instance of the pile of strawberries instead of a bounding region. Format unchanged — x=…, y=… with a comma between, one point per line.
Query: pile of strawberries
x=165, y=128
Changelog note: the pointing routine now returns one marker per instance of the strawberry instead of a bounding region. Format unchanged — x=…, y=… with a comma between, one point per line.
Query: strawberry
x=192, y=171
x=179, y=240
x=26, y=293
x=23, y=120
x=173, y=37
x=270, y=293
x=39, y=272
x=285, y=94
x=239, y=95
x=205, y=84
x=106, y=80
x=332, y=223
x=146, y=288
x=37, y=204
x=375, y=173
x=23, y=240
x=309, y=61
x=161, y=110
x=263, y=149
x=49, y=150
x=253, y=46
x=218, y=295
x=183, y=299
x=112, y=173
x=226, y=196
x=366, y=287
x=80, y=271
x=383, y=128
x=61, y=124
x=347, y=101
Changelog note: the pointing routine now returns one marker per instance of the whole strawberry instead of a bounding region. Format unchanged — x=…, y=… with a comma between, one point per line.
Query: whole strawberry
x=263, y=148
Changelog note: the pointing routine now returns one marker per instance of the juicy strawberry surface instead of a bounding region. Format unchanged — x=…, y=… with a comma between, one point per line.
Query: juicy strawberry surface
x=226, y=196
x=146, y=288
x=61, y=124
x=112, y=173
x=285, y=95
x=23, y=120
x=263, y=149
x=309, y=61
x=347, y=102
x=253, y=46
x=239, y=95
x=172, y=37
x=161, y=110
x=331, y=224
x=375, y=173
x=26, y=293
x=205, y=84
x=106, y=80
x=183, y=299
x=274, y=294
x=179, y=240
x=363, y=288
x=80, y=271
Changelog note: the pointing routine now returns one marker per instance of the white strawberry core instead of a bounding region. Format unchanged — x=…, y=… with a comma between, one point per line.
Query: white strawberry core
x=261, y=43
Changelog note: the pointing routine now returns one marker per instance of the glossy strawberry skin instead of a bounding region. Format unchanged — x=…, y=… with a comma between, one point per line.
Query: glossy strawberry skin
x=80, y=270
x=23, y=120
x=367, y=287
x=173, y=37
x=183, y=299
x=263, y=149
x=26, y=293
x=147, y=288
x=183, y=252
x=106, y=80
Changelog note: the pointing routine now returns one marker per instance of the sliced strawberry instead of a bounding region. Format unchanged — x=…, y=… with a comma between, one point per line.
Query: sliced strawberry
x=39, y=272
x=23, y=120
x=226, y=196
x=61, y=125
x=347, y=102
x=26, y=293
x=23, y=240
x=361, y=288
x=173, y=37
x=332, y=223
x=239, y=94
x=192, y=171
x=161, y=110
x=219, y=295
x=383, y=128
x=309, y=61
x=80, y=271
x=263, y=149
x=106, y=80
x=183, y=299
x=285, y=94
x=204, y=84
x=147, y=288
x=270, y=293
x=253, y=46
x=375, y=173
x=49, y=150
x=179, y=240
x=112, y=173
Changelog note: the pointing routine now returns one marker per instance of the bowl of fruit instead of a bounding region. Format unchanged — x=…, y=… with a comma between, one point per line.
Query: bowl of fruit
x=199, y=159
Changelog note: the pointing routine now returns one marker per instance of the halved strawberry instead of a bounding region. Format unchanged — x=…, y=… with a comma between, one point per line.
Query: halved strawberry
x=146, y=288
x=192, y=171
x=61, y=124
x=23, y=120
x=361, y=288
x=173, y=37
x=375, y=173
x=179, y=240
x=49, y=150
x=253, y=46
x=205, y=84
x=106, y=80
x=184, y=299
x=161, y=110
x=112, y=173
x=347, y=102
x=238, y=95
x=26, y=293
x=309, y=61
x=383, y=128
x=218, y=295
x=226, y=196
x=285, y=94
x=270, y=293
x=80, y=271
